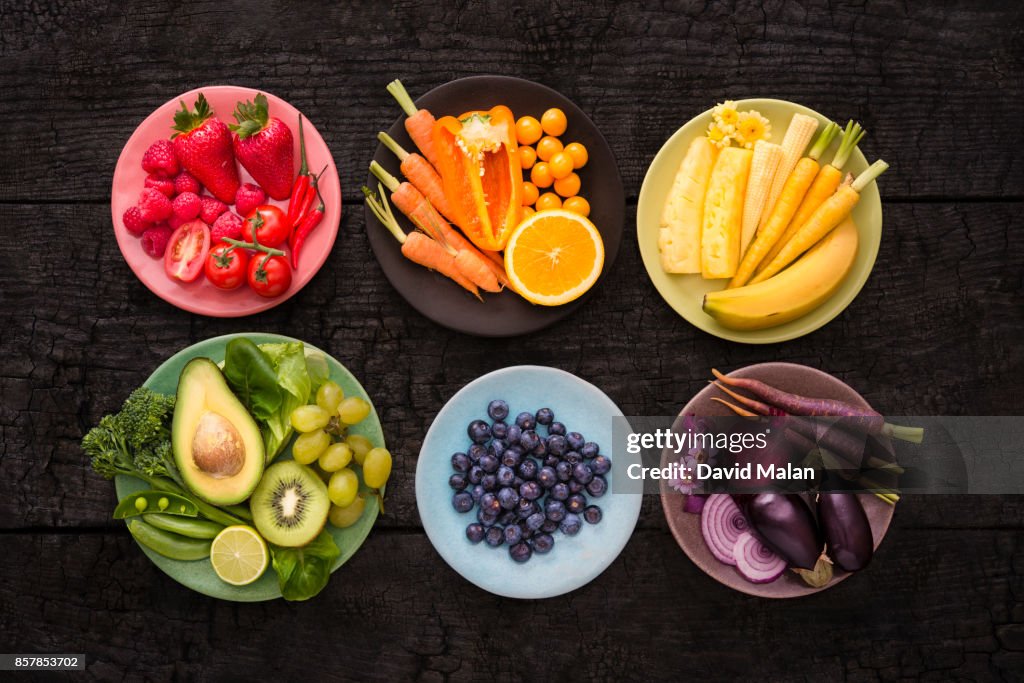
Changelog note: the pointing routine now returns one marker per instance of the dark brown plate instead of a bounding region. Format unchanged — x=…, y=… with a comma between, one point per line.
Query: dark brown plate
x=685, y=526
x=504, y=314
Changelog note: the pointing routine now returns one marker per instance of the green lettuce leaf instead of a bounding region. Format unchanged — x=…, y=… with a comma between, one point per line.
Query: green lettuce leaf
x=293, y=379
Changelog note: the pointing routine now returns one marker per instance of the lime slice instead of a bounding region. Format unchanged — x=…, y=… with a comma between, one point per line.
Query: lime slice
x=239, y=555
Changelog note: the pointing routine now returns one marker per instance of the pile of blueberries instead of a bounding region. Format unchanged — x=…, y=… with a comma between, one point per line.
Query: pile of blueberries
x=526, y=486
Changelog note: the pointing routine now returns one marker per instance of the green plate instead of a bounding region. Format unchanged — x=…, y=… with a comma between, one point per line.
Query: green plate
x=685, y=293
x=199, y=575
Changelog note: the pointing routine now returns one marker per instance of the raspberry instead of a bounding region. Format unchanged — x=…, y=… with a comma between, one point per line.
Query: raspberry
x=160, y=159
x=154, y=240
x=174, y=222
x=133, y=221
x=186, y=206
x=212, y=207
x=184, y=182
x=248, y=197
x=227, y=225
x=164, y=185
x=154, y=206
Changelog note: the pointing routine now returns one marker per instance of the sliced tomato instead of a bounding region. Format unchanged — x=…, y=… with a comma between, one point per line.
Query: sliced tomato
x=187, y=250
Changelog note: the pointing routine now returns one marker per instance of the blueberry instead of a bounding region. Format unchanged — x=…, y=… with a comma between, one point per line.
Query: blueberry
x=581, y=473
x=530, y=490
x=597, y=487
x=476, y=473
x=457, y=481
x=512, y=456
x=556, y=429
x=488, y=519
x=524, y=508
x=517, y=482
x=512, y=435
x=557, y=445
x=525, y=421
x=497, y=409
x=507, y=517
x=576, y=487
x=563, y=470
x=460, y=462
x=570, y=526
x=506, y=475
x=555, y=510
x=508, y=498
x=601, y=464
x=499, y=430
x=489, y=504
x=560, y=491
x=489, y=482
x=590, y=450
x=544, y=416
x=462, y=502
x=574, y=439
x=592, y=514
x=543, y=543
x=529, y=440
x=513, y=534
x=520, y=552
x=489, y=463
x=527, y=469
x=475, y=452
x=524, y=530
x=495, y=536
x=549, y=527
x=541, y=449
x=479, y=431
x=576, y=503
x=552, y=461
x=545, y=477
x=535, y=520
x=497, y=448
x=475, y=532
x=572, y=457
x=477, y=492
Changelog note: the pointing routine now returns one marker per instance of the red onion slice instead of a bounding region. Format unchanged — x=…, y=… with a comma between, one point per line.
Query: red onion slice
x=756, y=562
x=722, y=524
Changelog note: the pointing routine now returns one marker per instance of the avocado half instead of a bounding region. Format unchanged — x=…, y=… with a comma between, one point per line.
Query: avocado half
x=217, y=445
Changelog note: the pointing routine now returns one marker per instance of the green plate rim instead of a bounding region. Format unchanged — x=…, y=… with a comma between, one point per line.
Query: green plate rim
x=349, y=540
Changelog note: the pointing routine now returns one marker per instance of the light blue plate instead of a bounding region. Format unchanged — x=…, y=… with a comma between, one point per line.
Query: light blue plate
x=575, y=560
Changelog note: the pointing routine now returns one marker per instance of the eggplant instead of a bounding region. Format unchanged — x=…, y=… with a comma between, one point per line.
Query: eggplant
x=847, y=531
x=785, y=523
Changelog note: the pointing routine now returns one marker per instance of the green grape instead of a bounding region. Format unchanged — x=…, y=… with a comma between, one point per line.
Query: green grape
x=343, y=487
x=353, y=410
x=377, y=467
x=309, y=418
x=360, y=446
x=347, y=516
x=329, y=396
x=308, y=447
x=337, y=456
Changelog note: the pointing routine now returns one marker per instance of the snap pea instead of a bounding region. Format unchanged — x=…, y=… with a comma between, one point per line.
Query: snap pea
x=155, y=501
x=185, y=526
x=240, y=510
x=167, y=544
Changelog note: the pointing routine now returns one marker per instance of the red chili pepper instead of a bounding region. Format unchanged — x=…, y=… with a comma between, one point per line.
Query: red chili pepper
x=307, y=203
x=301, y=184
x=303, y=230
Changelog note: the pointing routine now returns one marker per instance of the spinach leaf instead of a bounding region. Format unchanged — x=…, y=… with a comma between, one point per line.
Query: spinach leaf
x=252, y=378
x=303, y=572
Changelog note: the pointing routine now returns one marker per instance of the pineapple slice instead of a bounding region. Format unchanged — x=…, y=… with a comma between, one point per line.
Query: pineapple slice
x=683, y=214
x=723, y=213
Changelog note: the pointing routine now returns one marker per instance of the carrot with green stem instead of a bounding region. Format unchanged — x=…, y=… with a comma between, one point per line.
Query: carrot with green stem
x=417, y=246
x=419, y=123
x=421, y=174
x=825, y=218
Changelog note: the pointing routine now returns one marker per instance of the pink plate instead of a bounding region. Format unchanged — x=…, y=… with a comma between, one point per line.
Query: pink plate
x=200, y=296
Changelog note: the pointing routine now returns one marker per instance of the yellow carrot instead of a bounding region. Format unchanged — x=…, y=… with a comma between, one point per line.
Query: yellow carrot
x=831, y=213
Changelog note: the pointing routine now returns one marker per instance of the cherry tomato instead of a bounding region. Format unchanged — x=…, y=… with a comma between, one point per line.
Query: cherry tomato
x=528, y=130
x=226, y=266
x=272, y=228
x=579, y=154
x=530, y=194
x=526, y=212
x=548, y=147
x=548, y=200
x=561, y=165
x=553, y=122
x=269, y=277
x=569, y=186
x=186, y=251
x=577, y=205
x=541, y=175
x=527, y=157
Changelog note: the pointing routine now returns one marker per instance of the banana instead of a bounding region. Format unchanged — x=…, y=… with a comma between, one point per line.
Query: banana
x=792, y=293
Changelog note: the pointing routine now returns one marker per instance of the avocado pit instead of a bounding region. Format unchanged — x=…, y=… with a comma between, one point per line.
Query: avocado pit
x=217, y=447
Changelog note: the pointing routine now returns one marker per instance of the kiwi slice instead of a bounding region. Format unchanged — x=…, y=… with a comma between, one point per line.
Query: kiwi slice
x=290, y=505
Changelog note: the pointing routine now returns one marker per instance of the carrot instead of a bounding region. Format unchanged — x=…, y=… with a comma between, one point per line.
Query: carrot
x=785, y=206
x=825, y=218
x=421, y=174
x=475, y=268
x=416, y=246
x=419, y=123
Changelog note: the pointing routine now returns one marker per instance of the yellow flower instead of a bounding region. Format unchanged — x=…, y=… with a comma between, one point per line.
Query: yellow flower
x=752, y=127
x=725, y=114
x=718, y=137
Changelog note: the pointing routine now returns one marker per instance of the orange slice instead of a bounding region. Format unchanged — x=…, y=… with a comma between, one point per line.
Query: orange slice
x=554, y=257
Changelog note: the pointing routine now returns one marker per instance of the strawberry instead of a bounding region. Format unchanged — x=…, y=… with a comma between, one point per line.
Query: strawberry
x=212, y=208
x=154, y=206
x=164, y=185
x=184, y=182
x=227, y=225
x=248, y=198
x=203, y=146
x=263, y=145
x=160, y=159
x=133, y=221
x=187, y=206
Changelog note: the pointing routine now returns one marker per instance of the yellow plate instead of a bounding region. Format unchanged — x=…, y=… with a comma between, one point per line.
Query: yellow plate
x=685, y=293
